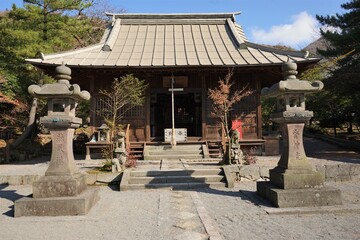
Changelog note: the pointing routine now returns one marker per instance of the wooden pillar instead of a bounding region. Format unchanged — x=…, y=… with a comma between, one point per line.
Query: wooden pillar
x=92, y=102
x=203, y=105
x=258, y=112
x=147, y=115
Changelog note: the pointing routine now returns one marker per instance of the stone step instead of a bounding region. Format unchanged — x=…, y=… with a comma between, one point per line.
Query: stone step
x=196, y=172
x=178, y=156
x=177, y=179
x=177, y=147
x=174, y=179
x=174, y=152
x=186, y=151
x=175, y=186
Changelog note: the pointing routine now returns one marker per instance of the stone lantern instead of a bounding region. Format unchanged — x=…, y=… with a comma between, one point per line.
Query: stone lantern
x=103, y=133
x=294, y=183
x=62, y=191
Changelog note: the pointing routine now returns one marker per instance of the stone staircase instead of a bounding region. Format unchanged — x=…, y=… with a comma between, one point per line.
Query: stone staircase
x=185, y=166
x=180, y=151
x=176, y=179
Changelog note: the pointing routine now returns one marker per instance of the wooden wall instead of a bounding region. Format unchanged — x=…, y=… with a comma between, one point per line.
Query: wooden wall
x=199, y=81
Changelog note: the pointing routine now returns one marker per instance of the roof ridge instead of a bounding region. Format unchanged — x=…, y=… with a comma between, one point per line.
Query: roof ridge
x=173, y=15
x=67, y=53
x=100, y=44
x=239, y=41
x=293, y=53
x=112, y=36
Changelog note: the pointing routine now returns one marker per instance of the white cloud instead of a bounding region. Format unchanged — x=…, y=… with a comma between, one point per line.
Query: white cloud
x=300, y=32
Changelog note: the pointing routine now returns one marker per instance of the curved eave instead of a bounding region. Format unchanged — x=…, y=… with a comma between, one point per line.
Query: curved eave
x=39, y=64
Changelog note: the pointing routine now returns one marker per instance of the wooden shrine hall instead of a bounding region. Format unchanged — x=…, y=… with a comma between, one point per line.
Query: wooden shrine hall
x=197, y=50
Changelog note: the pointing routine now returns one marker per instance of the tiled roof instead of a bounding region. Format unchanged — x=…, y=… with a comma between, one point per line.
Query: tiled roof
x=170, y=40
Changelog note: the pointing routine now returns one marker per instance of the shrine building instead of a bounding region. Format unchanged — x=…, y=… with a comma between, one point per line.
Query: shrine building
x=196, y=50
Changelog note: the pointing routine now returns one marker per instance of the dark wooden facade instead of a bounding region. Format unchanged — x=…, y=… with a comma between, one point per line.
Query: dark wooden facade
x=192, y=106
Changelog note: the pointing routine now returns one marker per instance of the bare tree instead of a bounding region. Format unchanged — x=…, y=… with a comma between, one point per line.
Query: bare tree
x=125, y=93
x=223, y=99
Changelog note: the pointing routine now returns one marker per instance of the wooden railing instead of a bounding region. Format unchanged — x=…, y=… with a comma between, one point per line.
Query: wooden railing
x=223, y=138
x=127, y=137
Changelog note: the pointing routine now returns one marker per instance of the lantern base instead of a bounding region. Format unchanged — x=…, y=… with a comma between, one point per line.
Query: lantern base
x=57, y=206
x=312, y=197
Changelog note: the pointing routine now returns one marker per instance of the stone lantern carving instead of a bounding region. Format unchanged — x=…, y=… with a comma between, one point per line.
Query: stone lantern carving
x=62, y=191
x=294, y=183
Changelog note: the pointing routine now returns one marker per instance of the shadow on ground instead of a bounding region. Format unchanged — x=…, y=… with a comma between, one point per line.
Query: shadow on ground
x=11, y=195
x=245, y=195
x=319, y=149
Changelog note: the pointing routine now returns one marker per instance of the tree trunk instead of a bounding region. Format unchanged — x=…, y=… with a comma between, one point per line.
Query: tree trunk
x=30, y=126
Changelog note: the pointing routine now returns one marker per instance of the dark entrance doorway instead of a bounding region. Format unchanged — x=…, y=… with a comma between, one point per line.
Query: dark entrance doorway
x=187, y=109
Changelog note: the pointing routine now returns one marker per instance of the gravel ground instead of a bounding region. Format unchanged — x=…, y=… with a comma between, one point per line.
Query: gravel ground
x=238, y=217
x=147, y=214
x=165, y=214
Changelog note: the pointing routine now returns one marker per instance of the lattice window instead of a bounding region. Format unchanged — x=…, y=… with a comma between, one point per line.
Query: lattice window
x=128, y=111
x=133, y=111
x=246, y=110
x=247, y=105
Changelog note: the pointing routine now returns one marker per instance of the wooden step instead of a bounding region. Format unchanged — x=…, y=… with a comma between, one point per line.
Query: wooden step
x=214, y=148
x=137, y=150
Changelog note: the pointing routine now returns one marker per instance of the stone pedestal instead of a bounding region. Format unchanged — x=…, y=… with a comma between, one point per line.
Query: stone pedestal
x=59, y=186
x=62, y=191
x=293, y=183
x=57, y=206
x=306, y=197
x=58, y=196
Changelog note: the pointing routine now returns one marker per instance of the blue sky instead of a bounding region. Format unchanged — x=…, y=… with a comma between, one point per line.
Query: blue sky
x=286, y=22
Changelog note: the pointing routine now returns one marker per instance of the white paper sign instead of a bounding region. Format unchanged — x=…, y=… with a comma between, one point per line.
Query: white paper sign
x=180, y=134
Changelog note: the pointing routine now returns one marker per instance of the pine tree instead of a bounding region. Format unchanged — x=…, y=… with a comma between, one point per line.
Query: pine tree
x=342, y=31
x=41, y=26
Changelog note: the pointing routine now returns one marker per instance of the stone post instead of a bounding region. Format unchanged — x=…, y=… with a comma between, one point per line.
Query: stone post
x=294, y=183
x=62, y=191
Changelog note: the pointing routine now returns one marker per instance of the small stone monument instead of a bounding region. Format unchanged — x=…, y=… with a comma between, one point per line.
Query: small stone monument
x=236, y=153
x=120, y=152
x=294, y=183
x=63, y=190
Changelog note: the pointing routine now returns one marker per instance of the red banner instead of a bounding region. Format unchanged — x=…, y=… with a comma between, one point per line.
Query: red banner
x=237, y=125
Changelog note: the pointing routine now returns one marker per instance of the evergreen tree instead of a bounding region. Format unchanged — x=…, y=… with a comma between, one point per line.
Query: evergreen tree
x=41, y=26
x=342, y=31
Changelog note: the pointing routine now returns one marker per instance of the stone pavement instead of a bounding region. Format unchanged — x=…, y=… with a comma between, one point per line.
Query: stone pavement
x=235, y=213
